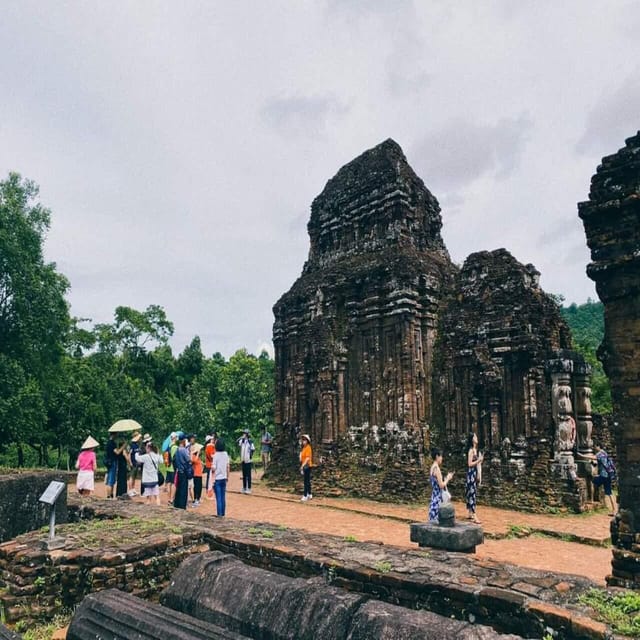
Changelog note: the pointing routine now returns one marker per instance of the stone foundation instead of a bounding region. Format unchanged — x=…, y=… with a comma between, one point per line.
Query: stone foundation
x=509, y=598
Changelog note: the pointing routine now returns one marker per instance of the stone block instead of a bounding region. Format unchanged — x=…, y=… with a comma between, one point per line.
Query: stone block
x=461, y=537
x=258, y=603
x=20, y=509
x=7, y=634
x=114, y=615
x=389, y=622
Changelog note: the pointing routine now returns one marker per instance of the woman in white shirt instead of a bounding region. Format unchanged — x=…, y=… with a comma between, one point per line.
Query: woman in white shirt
x=220, y=470
x=150, y=463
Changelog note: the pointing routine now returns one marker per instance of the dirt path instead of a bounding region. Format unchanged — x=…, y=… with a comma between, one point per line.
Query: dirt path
x=388, y=523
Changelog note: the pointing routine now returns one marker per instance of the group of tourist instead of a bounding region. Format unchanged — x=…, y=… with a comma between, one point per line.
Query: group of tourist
x=186, y=475
x=604, y=473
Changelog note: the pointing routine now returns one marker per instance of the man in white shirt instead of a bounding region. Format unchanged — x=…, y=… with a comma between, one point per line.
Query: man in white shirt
x=246, y=453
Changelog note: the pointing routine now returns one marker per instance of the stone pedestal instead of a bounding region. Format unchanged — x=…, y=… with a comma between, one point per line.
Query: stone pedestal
x=611, y=219
x=446, y=533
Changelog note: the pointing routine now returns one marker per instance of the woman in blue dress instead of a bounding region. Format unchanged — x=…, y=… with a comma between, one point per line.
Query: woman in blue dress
x=474, y=460
x=438, y=485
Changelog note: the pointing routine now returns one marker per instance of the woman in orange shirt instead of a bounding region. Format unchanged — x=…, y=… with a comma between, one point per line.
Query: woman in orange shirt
x=305, y=467
x=197, y=473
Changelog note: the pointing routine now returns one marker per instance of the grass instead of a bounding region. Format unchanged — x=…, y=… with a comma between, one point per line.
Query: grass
x=350, y=539
x=518, y=531
x=265, y=533
x=621, y=611
x=45, y=630
x=99, y=534
x=384, y=566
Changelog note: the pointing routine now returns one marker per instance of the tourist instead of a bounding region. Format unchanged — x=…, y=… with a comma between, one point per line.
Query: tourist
x=605, y=475
x=221, y=468
x=474, y=460
x=122, y=468
x=196, y=463
x=182, y=468
x=209, y=451
x=150, y=463
x=246, y=453
x=191, y=440
x=134, y=450
x=86, y=465
x=112, y=465
x=169, y=453
x=306, y=462
x=438, y=485
x=265, y=450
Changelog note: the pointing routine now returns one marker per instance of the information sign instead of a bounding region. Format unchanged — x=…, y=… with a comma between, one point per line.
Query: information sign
x=52, y=492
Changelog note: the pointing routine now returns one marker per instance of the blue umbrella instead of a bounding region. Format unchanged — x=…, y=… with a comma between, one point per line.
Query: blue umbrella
x=167, y=441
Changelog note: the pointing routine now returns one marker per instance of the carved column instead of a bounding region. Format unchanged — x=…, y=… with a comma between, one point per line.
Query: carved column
x=564, y=440
x=584, y=424
x=612, y=224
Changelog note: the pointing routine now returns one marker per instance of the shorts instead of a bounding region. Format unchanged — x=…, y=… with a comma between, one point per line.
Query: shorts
x=151, y=489
x=134, y=472
x=169, y=477
x=110, y=477
x=601, y=481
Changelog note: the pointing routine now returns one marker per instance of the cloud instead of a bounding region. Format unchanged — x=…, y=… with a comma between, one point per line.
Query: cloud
x=614, y=118
x=302, y=115
x=463, y=151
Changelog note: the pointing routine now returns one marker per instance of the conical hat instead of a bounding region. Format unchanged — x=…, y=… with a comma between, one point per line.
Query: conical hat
x=90, y=443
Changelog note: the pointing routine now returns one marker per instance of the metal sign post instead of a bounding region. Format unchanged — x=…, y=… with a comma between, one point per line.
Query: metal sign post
x=50, y=496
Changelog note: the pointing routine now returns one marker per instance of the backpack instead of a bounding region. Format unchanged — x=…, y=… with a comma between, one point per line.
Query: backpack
x=610, y=467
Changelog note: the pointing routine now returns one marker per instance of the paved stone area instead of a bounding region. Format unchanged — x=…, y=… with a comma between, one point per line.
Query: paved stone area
x=575, y=548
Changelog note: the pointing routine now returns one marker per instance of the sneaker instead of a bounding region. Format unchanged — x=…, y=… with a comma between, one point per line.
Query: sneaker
x=248, y=491
x=132, y=493
x=244, y=491
x=196, y=503
x=304, y=499
x=309, y=497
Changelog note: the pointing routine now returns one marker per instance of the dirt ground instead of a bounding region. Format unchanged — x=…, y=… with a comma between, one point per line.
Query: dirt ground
x=522, y=538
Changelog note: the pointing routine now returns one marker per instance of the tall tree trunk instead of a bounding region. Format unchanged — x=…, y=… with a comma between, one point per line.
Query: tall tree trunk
x=20, y=456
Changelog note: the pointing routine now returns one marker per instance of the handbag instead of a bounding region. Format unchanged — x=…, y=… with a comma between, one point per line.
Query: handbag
x=160, y=474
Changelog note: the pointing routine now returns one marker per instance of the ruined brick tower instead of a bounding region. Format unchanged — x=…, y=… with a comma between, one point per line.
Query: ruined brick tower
x=611, y=219
x=382, y=346
x=354, y=335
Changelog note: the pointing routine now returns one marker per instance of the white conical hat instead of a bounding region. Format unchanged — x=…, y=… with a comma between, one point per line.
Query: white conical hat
x=90, y=443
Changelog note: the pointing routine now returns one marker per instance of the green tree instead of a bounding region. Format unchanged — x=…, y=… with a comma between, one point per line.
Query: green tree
x=246, y=394
x=586, y=322
x=34, y=316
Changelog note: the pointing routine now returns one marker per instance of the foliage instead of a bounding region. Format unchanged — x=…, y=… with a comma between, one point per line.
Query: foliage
x=62, y=379
x=34, y=317
x=586, y=322
x=620, y=610
x=45, y=630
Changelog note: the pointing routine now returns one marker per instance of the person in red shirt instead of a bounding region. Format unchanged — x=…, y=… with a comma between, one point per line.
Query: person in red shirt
x=197, y=473
x=209, y=452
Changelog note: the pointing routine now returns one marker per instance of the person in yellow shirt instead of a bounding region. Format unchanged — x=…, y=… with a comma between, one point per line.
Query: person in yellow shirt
x=305, y=466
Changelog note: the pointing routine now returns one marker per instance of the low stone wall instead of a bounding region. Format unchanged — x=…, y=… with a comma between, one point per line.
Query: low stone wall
x=141, y=555
x=139, y=558
x=20, y=510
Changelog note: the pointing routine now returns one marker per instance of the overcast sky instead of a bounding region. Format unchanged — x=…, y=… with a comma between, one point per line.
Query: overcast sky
x=179, y=145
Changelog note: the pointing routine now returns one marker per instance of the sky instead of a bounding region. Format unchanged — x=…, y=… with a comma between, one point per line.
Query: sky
x=179, y=145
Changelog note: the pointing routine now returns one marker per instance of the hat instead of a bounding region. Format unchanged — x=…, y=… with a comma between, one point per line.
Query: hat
x=246, y=431
x=89, y=443
x=306, y=437
x=196, y=448
x=207, y=438
x=173, y=435
x=135, y=438
x=147, y=438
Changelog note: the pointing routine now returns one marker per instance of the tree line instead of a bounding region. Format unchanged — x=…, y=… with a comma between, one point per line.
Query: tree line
x=62, y=378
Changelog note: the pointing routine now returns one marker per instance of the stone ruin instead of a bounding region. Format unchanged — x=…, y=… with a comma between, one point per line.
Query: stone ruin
x=383, y=346
x=611, y=220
